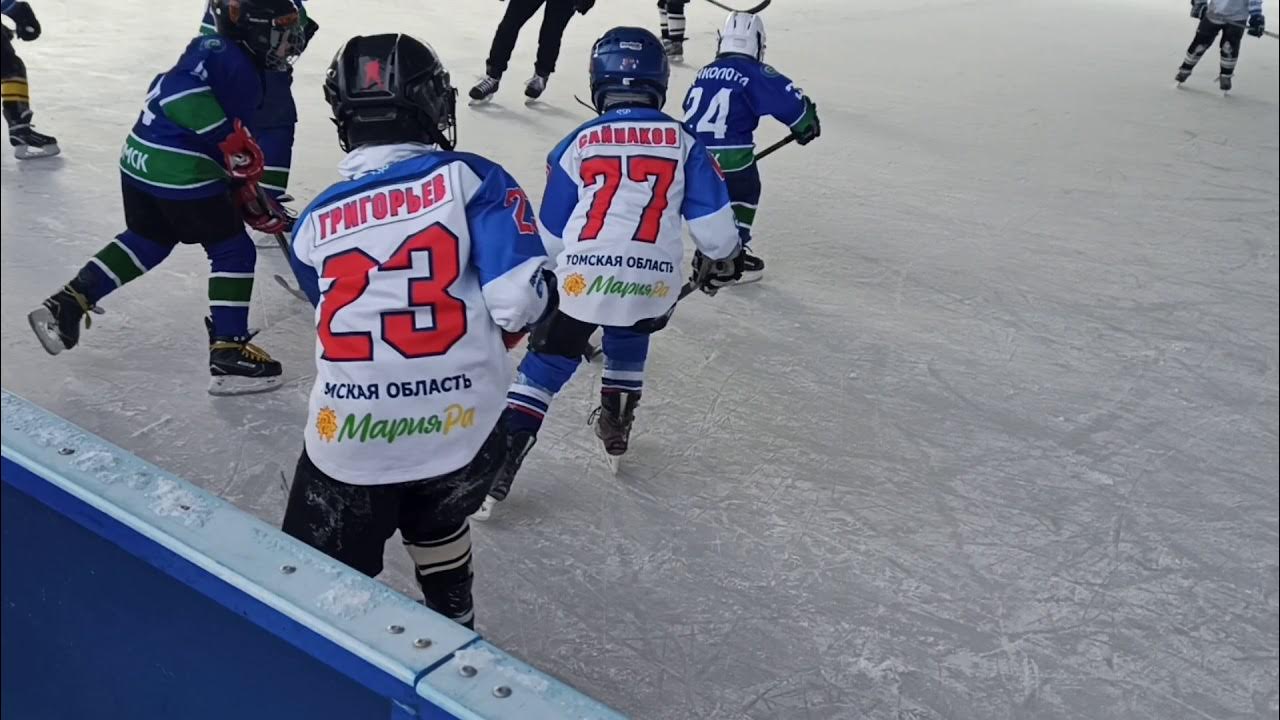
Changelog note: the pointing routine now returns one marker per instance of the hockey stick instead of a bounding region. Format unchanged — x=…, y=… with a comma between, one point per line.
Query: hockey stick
x=775, y=147
x=284, y=248
x=750, y=10
x=1270, y=33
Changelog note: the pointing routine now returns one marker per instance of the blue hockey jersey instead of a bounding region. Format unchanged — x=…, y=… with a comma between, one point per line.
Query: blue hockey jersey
x=173, y=149
x=416, y=264
x=727, y=100
x=618, y=188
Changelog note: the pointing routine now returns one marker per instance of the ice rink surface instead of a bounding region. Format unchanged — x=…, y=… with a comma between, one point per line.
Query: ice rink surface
x=996, y=437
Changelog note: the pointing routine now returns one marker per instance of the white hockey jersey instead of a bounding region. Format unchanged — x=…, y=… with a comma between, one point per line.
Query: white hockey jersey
x=617, y=188
x=414, y=264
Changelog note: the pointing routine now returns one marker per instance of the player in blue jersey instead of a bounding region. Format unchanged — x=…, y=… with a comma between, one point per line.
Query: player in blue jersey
x=189, y=173
x=420, y=262
x=618, y=189
x=724, y=106
x=26, y=142
x=273, y=123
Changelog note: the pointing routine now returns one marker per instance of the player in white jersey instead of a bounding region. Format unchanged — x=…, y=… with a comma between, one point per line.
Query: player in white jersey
x=617, y=190
x=421, y=264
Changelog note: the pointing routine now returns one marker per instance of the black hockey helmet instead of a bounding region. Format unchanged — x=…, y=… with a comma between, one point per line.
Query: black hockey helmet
x=391, y=88
x=271, y=31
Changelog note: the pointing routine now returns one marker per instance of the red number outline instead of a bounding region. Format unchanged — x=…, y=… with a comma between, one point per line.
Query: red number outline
x=516, y=196
x=663, y=171
x=350, y=271
x=607, y=169
x=449, y=315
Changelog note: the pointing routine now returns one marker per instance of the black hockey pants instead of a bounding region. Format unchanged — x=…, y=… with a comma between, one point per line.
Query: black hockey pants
x=1229, y=47
x=352, y=523
x=554, y=20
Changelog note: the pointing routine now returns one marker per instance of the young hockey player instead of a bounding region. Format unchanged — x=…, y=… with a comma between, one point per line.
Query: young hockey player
x=421, y=263
x=724, y=106
x=274, y=122
x=555, y=18
x=1227, y=17
x=189, y=172
x=671, y=18
x=617, y=188
x=26, y=142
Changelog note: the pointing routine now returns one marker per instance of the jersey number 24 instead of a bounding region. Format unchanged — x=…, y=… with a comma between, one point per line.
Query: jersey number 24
x=715, y=118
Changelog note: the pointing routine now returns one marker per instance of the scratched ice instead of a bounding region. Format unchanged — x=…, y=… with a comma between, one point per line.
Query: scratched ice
x=995, y=439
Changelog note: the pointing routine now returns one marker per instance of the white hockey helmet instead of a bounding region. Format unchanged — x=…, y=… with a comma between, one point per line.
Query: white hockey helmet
x=743, y=33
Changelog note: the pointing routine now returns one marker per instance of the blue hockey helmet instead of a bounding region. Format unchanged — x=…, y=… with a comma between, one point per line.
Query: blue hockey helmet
x=629, y=61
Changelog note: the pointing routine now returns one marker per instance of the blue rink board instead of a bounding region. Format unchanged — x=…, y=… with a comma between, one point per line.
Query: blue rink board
x=129, y=593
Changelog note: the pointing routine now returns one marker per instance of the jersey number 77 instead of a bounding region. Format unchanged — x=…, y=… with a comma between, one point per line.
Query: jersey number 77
x=605, y=173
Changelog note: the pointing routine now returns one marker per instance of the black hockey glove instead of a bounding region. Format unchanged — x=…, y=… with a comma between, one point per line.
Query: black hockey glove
x=808, y=127
x=583, y=6
x=309, y=31
x=25, y=18
x=1197, y=7
x=1257, y=24
x=715, y=274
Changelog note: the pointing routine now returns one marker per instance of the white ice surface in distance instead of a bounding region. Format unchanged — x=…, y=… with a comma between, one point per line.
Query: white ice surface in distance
x=996, y=438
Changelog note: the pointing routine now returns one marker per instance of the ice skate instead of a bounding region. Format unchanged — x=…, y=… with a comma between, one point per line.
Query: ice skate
x=57, y=321
x=1224, y=84
x=752, y=269
x=29, y=144
x=483, y=90
x=534, y=88
x=1182, y=76
x=674, y=50
x=613, y=423
x=521, y=442
x=238, y=367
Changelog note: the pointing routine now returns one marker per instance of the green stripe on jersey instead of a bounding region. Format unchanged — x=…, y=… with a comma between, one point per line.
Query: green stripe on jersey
x=196, y=110
x=734, y=159
x=168, y=167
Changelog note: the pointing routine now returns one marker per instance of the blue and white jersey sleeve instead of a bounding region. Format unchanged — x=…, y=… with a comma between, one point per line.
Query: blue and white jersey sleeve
x=506, y=250
x=706, y=207
x=558, y=201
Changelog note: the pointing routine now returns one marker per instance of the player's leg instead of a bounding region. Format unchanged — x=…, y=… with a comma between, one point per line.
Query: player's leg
x=672, y=15
x=236, y=366
x=621, y=384
x=555, y=18
x=349, y=523
x=1229, y=49
x=744, y=199
x=433, y=523
x=15, y=104
x=145, y=243
x=273, y=128
x=504, y=41
x=555, y=350
x=1205, y=33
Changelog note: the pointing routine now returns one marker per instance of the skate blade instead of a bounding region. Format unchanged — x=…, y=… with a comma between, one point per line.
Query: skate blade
x=747, y=279
x=46, y=330
x=26, y=152
x=482, y=101
x=223, y=385
x=615, y=464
